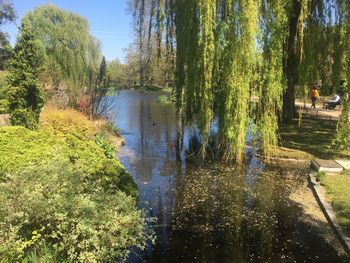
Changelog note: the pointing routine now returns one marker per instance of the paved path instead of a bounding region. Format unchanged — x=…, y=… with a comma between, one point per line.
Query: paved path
x=319, y=112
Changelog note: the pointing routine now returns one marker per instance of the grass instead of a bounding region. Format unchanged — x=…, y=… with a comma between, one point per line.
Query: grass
x=282, y=152
x=337, y=187
x=313, y=136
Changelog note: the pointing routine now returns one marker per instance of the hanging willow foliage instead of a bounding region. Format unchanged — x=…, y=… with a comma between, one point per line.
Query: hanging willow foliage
x=239, y=58
x=229, y=50
x=216, y=59
x=274, y=23
x=343, y=130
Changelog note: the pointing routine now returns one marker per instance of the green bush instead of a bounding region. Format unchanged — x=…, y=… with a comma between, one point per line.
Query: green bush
x=64, y=200
x=25, y=117
x=21, y=148
x=108, y=149
x=49, y=212
x=320, y=176
x=4, y=106
x=163, y=99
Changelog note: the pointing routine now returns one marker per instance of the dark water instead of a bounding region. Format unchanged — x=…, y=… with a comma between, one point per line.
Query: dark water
x=213, y=213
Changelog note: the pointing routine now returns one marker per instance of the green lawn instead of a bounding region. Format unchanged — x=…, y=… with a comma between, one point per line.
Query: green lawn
x=312, y=136
x=338, y=193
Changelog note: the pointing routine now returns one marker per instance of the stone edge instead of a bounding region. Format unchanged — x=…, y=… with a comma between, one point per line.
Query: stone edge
x=329, y=213
x=289, y=160
x=323, y=169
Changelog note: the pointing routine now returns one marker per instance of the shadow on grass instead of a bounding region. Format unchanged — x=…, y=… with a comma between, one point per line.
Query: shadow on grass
x=312, y=136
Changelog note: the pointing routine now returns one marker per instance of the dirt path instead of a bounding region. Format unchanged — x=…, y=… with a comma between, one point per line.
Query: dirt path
x=313, y=216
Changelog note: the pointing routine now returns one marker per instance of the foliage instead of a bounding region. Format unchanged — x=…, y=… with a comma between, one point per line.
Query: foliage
x=216, y=57
x=71, y=53
x=163, y=99
x=5, y=51
x=152, y=55
x=100, y=88
x=337, y=190
x=228, y=51
x=108, y=149
x=7, y=12
x=342, y=140
x=3, y=90
x=343, y=129
x=117, y=73
x=25, y=95
x=320, y=176
x=68, y=121
x=91, y=213
x=50, y=212
x=21, y=148
x=24, y=117
x=274, y=20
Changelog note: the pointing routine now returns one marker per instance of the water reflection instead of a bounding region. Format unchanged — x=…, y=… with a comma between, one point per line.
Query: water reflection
x=214, y=213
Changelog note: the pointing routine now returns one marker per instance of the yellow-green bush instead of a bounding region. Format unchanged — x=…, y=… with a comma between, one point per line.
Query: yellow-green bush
x=63, y=200
x=50, y=213
x=68, y=121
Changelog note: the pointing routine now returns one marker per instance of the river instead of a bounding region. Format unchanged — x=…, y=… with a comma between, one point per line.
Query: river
x=212, y=213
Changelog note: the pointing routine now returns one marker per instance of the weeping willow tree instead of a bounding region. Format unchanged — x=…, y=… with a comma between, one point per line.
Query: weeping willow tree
x=216, y=72
x=343, y=130
x=239, y=61
x=71, y=53
x=229, y=51
x=326, y=52
x=273, y=23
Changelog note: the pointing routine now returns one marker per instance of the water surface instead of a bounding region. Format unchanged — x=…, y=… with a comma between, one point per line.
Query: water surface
x=212, y=213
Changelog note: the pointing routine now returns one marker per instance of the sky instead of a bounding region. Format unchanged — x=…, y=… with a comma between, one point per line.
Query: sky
x=108, y=19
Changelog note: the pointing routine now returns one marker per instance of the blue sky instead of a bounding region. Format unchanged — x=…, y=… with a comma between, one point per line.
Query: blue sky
x=108, y=19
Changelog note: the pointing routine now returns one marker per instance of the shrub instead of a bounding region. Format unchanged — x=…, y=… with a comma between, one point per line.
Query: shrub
x=21, y=148
x=49, y=212
x=320, y=176
x=63, y=200
x=109, y=149
x=68, y=121
x=163, y=99
x=4, y=106
x=24, y=117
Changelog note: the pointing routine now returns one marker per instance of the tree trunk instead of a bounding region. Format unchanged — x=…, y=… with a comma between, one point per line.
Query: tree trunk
x=291, y=64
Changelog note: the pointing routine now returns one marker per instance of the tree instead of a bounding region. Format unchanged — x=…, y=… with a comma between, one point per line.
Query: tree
x=72, y=54
x=229, y=50
x=99, y=90
x=7, y=14
x=154, y=27
x=5, y=51
x=25, y=95
x=120, y=75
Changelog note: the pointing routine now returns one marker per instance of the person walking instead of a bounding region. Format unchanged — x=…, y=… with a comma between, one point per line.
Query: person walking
x=314, y=96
